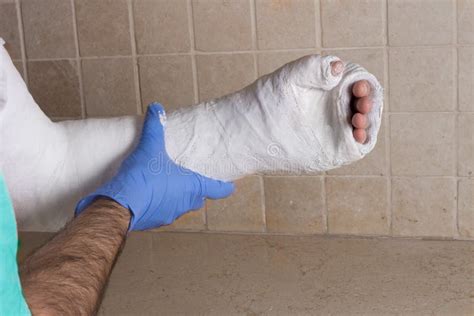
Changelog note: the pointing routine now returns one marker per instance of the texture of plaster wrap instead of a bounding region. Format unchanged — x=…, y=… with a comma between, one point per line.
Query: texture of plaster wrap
x=296, y=119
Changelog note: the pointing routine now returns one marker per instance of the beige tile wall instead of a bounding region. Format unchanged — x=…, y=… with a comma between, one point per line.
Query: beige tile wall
x=84, y=58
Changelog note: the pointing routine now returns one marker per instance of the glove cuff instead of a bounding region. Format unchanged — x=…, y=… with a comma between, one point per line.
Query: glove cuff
x=106, y=192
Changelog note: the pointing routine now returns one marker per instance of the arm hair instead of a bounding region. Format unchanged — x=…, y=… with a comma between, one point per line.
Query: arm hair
x=68, y=275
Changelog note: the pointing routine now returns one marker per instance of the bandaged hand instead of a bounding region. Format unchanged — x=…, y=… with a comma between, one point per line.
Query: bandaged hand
x=155, y=189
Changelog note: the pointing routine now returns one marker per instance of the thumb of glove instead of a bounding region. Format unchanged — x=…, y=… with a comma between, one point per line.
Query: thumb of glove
x=216, y=189
x=153, y=129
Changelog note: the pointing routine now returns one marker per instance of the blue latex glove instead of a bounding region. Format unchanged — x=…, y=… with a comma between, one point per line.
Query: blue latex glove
x=152, y=186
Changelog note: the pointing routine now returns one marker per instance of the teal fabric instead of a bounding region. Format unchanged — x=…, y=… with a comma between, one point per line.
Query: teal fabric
x=12, y=302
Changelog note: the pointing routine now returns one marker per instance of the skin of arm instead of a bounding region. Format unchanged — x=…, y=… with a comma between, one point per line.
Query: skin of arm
x=68, y=275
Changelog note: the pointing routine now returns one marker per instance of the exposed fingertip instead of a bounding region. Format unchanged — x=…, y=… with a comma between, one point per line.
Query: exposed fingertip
x=361, y=88
x=360, y=135
x=337, y=67
x=364, y=105
x=359, y=120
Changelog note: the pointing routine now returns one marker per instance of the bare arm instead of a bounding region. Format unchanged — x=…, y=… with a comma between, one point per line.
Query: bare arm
x=68, y=275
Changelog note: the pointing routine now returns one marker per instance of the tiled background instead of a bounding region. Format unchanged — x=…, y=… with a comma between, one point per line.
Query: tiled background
x=84, y=58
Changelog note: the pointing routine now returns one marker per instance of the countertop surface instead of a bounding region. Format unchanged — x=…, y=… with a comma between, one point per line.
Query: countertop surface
x=225, y=274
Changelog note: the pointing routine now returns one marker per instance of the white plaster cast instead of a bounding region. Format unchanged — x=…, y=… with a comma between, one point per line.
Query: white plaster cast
x=295, y=120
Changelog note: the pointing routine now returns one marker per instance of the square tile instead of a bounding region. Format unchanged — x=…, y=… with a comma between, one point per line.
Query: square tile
x=109, y=87
x=357, y=206
x=221, y=74
x=423, y=144
x=166, y=79
x=103, y=27
x=466, y=144
x=286, y=24
x=422, y=79
x=465, y=21
x=48, y=28
x=466, y=78
x=9, y=28
x=375, y=163
x=294, y=205
x=161, y=26
x=222, y=25
x=55, y=87
x=420, y=22
x=353, y=23
x=243, y=211
x=269, y=62
x=466, y=207
x=423, y=206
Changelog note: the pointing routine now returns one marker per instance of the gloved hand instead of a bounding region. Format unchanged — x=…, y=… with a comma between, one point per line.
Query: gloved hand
x=152, y=186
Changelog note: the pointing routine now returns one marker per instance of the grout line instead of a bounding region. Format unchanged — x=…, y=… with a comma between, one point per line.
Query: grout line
x=255, y=67
x=81, y=58
x=428, y=46
x=325, y=211
x=319, y=41
x=366, y=176
x=133, y=43
x=264, y=209
x=426, y=176
x=455, y=22
x=253, y=24
x=253, y=21
x=456, y=149
x=318, y=174
x=64, y=118
x=314, y=235
x=256, y=51
x=158, y=231
x=425, y=112
x=283, y=50
x=204, y=216
x=457, y=115
x=397, y=176
x=78, y=60
x=388, y=161
x=192, y=53
x=388, y=139
x=22, y=41
x=456, y=223
x=387, y=31
x=151, y=251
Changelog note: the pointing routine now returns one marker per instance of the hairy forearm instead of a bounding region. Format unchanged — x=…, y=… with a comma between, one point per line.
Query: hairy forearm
x=68, y=275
